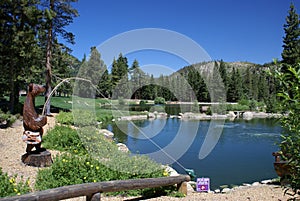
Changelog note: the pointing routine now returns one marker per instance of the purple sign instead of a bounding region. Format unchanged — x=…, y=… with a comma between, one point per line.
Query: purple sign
x=203, y=184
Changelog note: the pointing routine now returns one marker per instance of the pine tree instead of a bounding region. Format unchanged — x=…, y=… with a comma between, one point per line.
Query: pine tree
x=216, y=88
x=223, y=74
x=291, y=40
x=137, y=79
x=119, y=73
x=58, y=15
x=234, y=93
x=198, y=85
x=19, y=22
x=104, y=85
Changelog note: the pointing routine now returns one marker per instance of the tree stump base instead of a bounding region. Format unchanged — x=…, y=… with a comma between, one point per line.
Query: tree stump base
x=37, y=159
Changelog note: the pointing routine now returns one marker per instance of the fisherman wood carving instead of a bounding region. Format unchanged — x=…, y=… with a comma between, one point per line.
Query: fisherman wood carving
x=32, y=122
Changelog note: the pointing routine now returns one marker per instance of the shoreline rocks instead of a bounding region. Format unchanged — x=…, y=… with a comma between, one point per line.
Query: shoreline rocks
x=227, y=189
x=247, y=115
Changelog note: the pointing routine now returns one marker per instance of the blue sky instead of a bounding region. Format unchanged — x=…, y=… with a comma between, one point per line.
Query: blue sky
x=232, y=30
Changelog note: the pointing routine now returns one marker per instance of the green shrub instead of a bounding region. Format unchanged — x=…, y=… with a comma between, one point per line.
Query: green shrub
x=290, y=146
x=9, y=186
x=77, y=117
x=63, y=138
x=244, y=102
x=69, y=169
x=7, y=117
x=65, y=118
x=272, y=105
x=237, y=107
x=143, y=102
x=104, y=116
x=159, y=100
x=102, y=161
x=84, y=118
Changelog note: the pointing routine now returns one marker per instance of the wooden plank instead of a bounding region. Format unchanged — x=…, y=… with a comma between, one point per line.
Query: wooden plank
x=88, y=189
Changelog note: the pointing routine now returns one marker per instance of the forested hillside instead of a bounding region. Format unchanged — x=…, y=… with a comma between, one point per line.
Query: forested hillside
x=31, y=51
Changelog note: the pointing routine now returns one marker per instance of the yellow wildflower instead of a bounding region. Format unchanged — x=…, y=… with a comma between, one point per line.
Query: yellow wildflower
x=165, y=173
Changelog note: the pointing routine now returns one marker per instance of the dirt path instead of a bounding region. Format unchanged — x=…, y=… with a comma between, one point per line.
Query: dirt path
x=12, y=148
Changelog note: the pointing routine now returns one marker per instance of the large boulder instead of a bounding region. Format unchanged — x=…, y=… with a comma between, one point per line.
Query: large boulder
x=247, y=115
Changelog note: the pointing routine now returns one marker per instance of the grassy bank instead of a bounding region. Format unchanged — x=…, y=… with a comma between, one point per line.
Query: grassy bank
x=88, y=156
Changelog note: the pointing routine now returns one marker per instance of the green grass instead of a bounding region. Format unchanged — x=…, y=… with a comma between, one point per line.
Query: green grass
x=9, y=186
x=65, y=103
x=88, y=156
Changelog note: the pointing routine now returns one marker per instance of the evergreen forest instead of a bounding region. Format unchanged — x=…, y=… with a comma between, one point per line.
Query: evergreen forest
x=33, y=48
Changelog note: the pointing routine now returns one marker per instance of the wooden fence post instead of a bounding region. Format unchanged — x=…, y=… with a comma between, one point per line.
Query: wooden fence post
x=94, y=197
x=182, y=187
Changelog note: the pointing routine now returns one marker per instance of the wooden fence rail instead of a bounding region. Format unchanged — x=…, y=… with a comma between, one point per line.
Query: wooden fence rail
x=92, y=190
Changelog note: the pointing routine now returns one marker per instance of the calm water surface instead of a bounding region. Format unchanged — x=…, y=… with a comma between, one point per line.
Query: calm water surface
x=242, y=154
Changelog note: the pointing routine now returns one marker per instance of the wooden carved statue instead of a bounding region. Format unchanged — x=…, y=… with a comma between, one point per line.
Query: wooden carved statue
x=32, y=122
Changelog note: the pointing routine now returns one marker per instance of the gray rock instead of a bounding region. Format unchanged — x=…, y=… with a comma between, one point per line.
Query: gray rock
x=247, y=115
x=122, y=147
x=151, y=115
x=171, y=171
x=217, y=191
x=162, y=115
x=269, y=181
x=107, y=133
x=226, y=190
x=231, y=114
x=190, y=188
x=255, y=184
x=133, y=117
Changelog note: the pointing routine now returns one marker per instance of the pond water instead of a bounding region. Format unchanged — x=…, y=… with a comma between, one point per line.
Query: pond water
x=240, y=153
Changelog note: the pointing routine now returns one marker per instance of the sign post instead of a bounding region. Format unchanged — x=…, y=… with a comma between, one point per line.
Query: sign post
x=203, y=185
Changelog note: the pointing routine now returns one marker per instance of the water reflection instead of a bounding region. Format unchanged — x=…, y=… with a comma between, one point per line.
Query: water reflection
x=242, y=154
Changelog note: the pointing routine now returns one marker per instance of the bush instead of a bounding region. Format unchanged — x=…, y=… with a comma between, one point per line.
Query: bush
x=252, y=105
x=143, y=102
x=63, y=138
x=290, y=145
x=82, y=118
x=69, y=169
x=65, y=118
x=237, y=107
x=7, y=119
x=101, y=161
x=85, y=118
x=9, y=186
x=159, y=101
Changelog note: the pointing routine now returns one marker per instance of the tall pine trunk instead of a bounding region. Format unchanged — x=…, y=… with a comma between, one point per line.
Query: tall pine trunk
x=14, y=92
x=48, y=62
